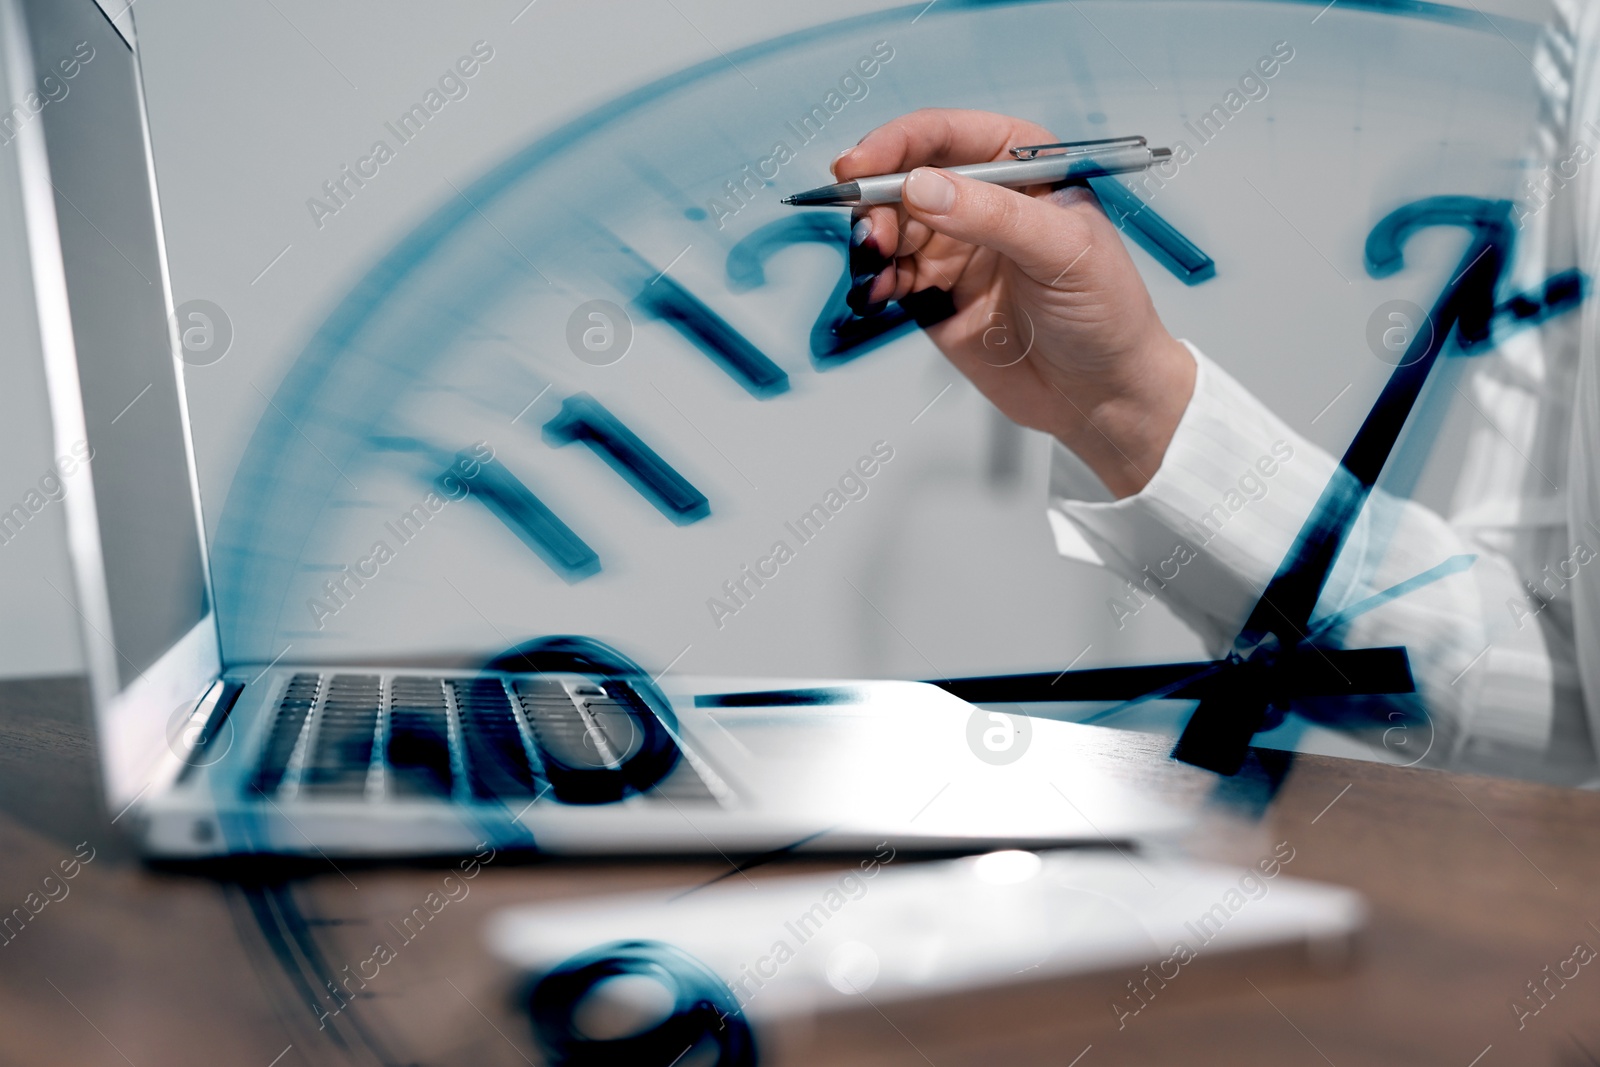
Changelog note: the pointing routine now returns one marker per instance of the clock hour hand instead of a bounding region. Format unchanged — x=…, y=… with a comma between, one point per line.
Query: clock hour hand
x=1380, y=670
x=1218, y=734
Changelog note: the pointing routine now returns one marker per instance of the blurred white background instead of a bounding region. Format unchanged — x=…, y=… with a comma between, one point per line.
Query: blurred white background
x=253, y=106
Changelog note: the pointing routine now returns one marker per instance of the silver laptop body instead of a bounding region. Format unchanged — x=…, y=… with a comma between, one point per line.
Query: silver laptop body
x=569, y=750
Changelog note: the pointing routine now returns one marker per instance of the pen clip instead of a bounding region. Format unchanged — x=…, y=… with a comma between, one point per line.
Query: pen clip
x=1031, y=151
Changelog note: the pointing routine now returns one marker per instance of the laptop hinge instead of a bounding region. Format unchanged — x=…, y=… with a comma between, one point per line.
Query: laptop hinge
x=191, y=742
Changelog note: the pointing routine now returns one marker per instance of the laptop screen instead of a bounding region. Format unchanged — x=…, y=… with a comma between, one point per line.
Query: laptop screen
x=150, y=541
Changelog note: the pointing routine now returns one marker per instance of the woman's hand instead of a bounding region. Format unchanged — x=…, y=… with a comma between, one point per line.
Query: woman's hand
x=1052, y=321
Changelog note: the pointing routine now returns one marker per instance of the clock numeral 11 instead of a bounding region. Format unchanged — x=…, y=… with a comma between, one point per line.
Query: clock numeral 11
x=527, y=516
x=583, y=418
x=711, y=334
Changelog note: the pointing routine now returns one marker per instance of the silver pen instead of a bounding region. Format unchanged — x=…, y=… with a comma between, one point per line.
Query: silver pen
x=1067, y=161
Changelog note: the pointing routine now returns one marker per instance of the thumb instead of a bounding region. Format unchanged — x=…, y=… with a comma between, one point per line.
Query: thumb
x=1045, y=239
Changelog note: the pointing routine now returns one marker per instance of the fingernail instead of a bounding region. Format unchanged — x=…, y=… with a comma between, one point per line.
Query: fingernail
x=867, y=260
x=928, y=190
x=864, y=254
x=860, y=292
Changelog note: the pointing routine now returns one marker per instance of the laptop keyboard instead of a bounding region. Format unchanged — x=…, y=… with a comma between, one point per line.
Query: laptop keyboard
x=498, y=763
x=371, y=737
x=419, y=739
x=341, y=758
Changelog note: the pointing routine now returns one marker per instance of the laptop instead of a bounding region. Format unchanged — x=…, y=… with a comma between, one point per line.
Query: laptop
x=564, y=746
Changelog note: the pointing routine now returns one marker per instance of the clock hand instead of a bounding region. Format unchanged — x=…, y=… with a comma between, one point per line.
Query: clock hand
x=1379, y=670
x=1561, y=292
x=1218, y=734
x=1466, y=303
x=1453, y=565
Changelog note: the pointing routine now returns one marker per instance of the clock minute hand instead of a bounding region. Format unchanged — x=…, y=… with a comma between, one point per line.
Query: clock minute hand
x=1217, y=736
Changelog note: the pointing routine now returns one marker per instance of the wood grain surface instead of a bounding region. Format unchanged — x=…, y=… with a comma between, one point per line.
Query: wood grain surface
x=1476, y=885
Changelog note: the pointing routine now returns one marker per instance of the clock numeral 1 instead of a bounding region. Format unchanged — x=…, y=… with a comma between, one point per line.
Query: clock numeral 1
x=583, y=418
x=527, y=516
x=709, y=332
x=1151, y=232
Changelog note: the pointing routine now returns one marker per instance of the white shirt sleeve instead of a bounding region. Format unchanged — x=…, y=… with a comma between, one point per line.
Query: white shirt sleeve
x=1211, y=528
x=1494, y=644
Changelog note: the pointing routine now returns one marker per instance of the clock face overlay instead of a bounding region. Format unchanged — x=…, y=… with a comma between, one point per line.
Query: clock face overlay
x=609, y=386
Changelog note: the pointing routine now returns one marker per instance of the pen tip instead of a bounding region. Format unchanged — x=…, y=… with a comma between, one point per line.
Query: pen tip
x=826, y=196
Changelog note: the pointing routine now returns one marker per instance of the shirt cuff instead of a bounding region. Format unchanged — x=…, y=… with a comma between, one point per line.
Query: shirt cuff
x=1208, y=531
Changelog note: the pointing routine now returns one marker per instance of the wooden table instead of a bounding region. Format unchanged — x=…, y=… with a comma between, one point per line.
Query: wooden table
x=1476, y=885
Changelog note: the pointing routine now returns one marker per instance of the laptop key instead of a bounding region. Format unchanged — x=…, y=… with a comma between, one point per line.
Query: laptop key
x=343, y=737
x=418, y=748
x=496, y=760
x=588, y=737
x=295, y=706
x=617, y=725
x=683, y=783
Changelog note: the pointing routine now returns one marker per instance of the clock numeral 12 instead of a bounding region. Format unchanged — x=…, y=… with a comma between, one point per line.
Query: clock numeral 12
x=839, y=334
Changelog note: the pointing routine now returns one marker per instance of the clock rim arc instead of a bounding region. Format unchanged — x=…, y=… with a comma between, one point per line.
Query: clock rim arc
x=368, y=295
